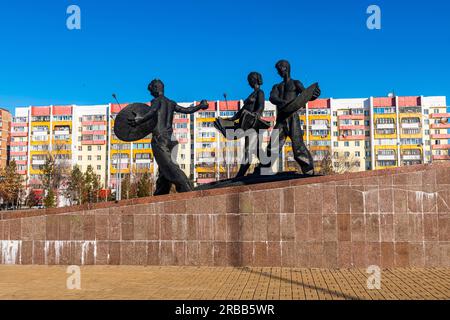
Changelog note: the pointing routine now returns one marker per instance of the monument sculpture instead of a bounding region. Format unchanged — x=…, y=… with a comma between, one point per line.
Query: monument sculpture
x=248, y=118
x=138, y=120
x=289, y=96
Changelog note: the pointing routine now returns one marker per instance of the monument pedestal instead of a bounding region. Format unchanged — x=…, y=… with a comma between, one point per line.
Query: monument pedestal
x=391, y=218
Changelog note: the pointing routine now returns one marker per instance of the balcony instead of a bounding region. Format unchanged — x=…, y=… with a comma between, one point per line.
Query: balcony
x=19, y=143
x=319, y=127
x=382, y=126
x=61, y=132
x=351, y=138
x=440, y=126
x=411, y=125
x=19, y=153
x=19, y=124
x=440, y=147
x=94, y=132
x=412, y=157
x=93, y=142
x=142, y=161
x=38, y=162
x=19, y=134
x=351, y=117
x=440, y=136
x=352, y=127
x=440, y=115
x=93, y=122
x=40, y=133
x=390, y=157
x=444, y=157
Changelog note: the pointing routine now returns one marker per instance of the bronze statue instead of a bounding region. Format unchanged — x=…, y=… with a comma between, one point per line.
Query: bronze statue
x=159, y=119
x=249, y=117
x=289, y=96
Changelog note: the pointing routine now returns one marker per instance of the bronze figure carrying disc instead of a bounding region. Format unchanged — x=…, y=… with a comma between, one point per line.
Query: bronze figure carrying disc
x=128, y=133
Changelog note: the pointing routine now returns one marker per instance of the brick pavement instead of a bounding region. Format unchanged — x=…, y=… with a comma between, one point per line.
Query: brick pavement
x=186, y=283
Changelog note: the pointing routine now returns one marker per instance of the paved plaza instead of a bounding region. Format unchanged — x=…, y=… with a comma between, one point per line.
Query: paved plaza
x=186, y=283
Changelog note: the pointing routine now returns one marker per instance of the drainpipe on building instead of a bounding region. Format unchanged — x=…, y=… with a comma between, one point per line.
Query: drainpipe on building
x=29, y=146
x=422, y=122
x=397, y=111
x=372, y=133
x=108, y=150
x=218, y=153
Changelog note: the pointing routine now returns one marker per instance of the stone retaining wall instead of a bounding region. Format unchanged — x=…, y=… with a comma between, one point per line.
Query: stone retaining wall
x=391, y=218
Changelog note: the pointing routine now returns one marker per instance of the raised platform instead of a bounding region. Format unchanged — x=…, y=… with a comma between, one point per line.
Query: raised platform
x=253, y=179
x=390, y=218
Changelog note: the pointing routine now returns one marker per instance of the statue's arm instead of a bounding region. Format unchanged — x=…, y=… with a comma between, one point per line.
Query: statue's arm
x=151, y=113
x=138, y=120
x=299, y=87
x=237, y=115
x=275, y=97
x=192, y=109
x=260, y=102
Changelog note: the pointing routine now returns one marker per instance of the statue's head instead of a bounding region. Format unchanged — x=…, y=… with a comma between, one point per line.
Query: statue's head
x=156, y=88
x=254, y=78
x=283, y=68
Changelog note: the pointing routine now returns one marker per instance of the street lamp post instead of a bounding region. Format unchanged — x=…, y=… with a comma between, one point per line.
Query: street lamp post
x=118, y=171
x=119, y=176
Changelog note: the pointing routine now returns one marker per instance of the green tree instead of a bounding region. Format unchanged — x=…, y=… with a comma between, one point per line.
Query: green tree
x=48, y=172
x=144, y=185
x=49, y=200
x=75, y=185
x=126, y=186
x=91, y=187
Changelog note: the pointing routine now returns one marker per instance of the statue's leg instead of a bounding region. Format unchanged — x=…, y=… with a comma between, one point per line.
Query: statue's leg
x=168, y=169
x=281, y=132
x=162, y=185
x=299, y=149
x=245, y=165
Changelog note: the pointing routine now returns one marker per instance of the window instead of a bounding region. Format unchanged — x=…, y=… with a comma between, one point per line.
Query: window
x=89, y=148
x=357, y=154
x=89, y=158
x=80, y=148
x=357, y=143
x=346, y=144
x=99, y=148
x=99, y=158
x=347, y=154
x=80, y=158
x=99, y=168
x=336, y=144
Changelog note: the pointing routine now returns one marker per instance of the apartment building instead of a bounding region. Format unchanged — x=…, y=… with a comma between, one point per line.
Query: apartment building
x=90, y=136
x=357, y=134
x=5, y=136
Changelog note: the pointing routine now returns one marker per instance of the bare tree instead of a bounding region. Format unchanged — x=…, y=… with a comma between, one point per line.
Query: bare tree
x=345, y=163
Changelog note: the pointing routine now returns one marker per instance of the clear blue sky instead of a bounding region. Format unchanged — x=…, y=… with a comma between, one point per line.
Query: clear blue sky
x=203, y=48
